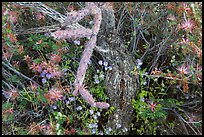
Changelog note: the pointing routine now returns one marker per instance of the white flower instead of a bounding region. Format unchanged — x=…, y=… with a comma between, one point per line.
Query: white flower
x=100, y=62
x=105, y=63
x=95, y=117
x=101, y=76
x=106, y=68
x=54, y=107
x=91, y=112
x=118, y=126
x=109, y=129
x=110, y=68
x=57, y=126
x=91, y=125
x=139, y=62
x=98, y=113
x=90, y=62
x=144, y=83
x=79, y=108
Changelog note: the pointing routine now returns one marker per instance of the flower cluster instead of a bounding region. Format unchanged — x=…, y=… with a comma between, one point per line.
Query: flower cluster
x=105, y=64
x=138, y=63
x=94, y=126
x=53, y=95
x=187, y=25
x=46, y=70
x=99, y=76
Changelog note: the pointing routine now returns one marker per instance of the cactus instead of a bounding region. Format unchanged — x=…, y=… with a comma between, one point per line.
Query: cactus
x=74, y=17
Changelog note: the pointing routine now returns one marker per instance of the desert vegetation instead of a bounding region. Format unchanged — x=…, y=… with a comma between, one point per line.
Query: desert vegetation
x=101, y=68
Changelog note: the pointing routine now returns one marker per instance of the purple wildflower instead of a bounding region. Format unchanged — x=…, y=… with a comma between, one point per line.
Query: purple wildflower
x=49, y=75
x=77, y=42
x=44, y=80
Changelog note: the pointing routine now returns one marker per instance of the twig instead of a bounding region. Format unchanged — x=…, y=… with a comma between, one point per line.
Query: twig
x=18, y=73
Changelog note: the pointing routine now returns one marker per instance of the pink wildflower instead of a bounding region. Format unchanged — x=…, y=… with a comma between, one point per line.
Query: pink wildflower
x=152, y=106
x=183, y=69
x=187, y=25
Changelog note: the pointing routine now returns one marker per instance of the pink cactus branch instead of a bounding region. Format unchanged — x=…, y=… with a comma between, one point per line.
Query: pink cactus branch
x=83, y=65
x=74, y=17
x=72, y=33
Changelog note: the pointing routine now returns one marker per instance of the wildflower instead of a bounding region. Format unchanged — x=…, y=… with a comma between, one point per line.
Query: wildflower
x=95, y=125
x=138, y=67
x=152, y=106
x=98, y=113
x=44, y=80
x=95, y=117
x=139, y=62
x=156, y=72
x=97, y=71
x=105, y=63
x=100, y=133
x=46, y=34
x=101, y=76
x=91, y=125
x=107, y=132
x=93, y=131
x=142, y=99
x=72, y=99
x=72, y=131
x=39, y=41
x=110, y=68
x=12, y=37
x=79, y=108
x=54, y=106
x=49, y=75
x=55, y=94
x=55, y=58
x=184, y=41
x=144, y=83
x=91, y=22
x=77, y=42
x=106, y=68
x=118, y=125
x=187, y=25
x=97, y=81
x=91, y=112
x=89, y=62
x=6, y=55
x=67, y=102
x=15, y=63
x=57, y=126
x=183, y=69
x=109, y=129
x=100, y=62
x=27, y=58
